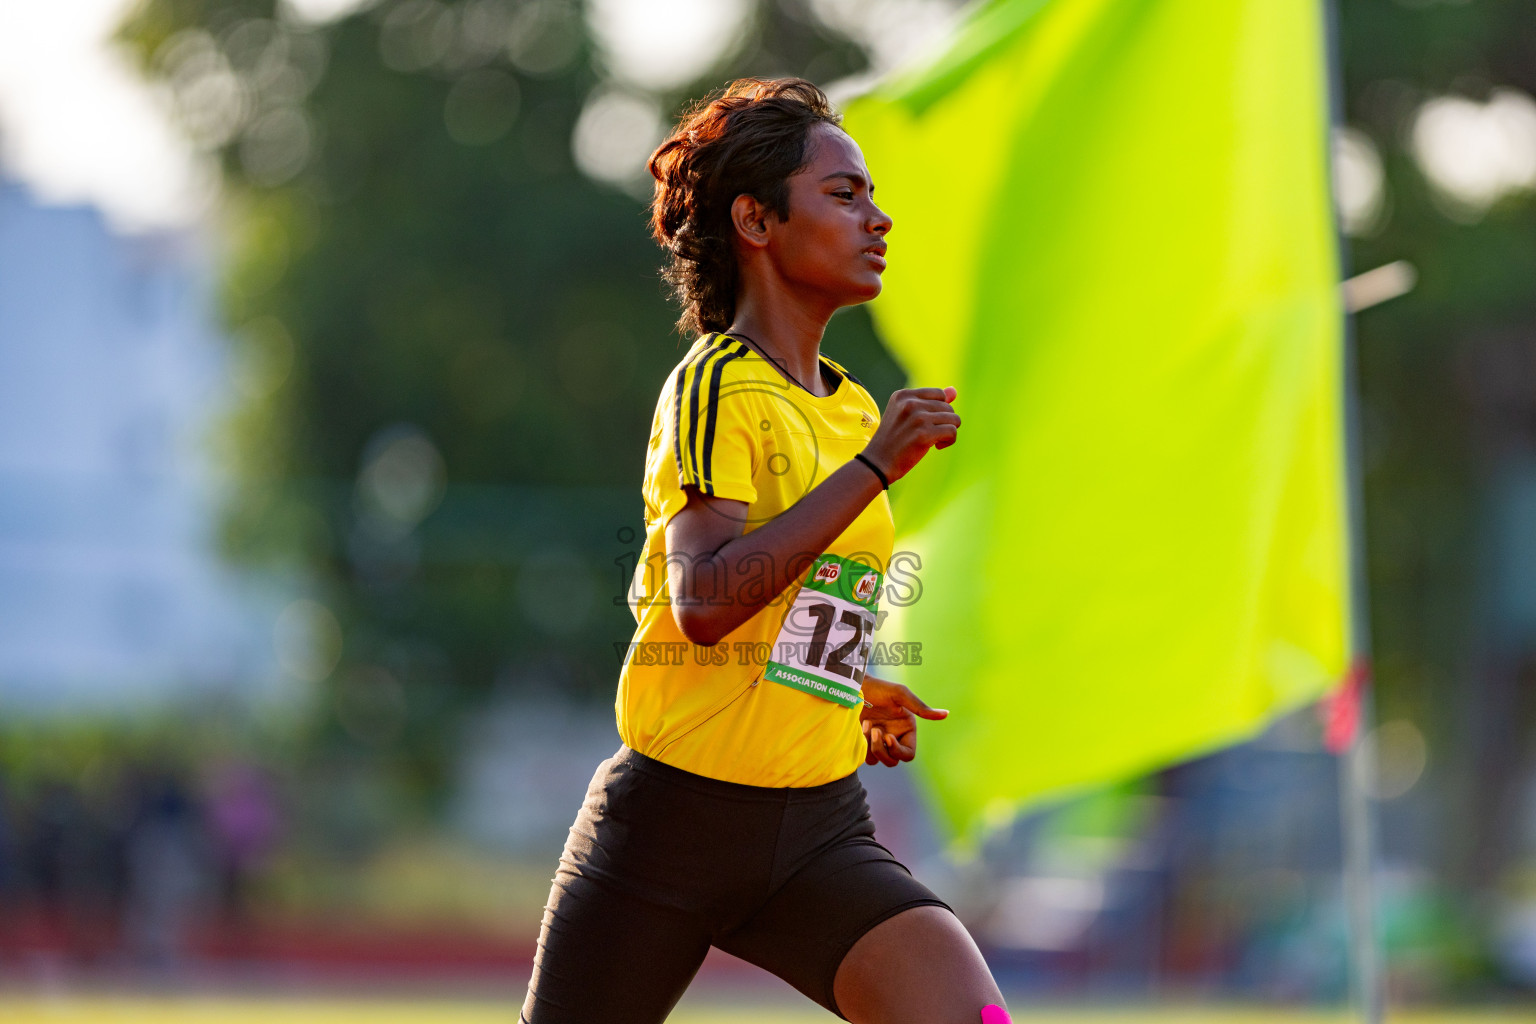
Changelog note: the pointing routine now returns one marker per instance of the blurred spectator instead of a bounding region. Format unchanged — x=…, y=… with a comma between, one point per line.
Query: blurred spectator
x=244, y=821
x=168, y=872
x=9, y=868
x=68, y=859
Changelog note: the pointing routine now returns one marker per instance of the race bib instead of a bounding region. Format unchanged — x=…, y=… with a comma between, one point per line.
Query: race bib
x=823, y=647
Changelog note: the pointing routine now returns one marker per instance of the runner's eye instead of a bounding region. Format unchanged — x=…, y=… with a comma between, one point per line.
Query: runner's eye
x=844, y=194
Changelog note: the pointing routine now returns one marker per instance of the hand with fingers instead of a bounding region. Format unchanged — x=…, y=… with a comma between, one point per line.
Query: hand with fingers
x=915, y=420
x=889, y=721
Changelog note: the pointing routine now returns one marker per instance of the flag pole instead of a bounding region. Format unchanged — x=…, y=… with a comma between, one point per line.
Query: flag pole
x=1352, y=707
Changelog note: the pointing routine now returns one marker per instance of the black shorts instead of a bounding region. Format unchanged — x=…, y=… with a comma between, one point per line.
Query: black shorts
x=661, y=864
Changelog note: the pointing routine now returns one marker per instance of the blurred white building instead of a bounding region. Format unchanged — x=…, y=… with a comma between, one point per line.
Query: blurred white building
x=111, y=591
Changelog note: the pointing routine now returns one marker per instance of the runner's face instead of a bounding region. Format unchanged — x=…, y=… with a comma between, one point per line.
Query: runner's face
x=834, y=239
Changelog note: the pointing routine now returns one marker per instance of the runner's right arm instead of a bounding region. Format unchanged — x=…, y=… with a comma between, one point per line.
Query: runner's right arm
x=710, y=559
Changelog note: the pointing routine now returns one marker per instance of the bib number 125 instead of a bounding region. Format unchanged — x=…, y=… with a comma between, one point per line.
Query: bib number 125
x=823, y=647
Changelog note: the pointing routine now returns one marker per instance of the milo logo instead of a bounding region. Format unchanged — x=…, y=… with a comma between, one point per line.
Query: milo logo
x=865, y=588
x=828, y=573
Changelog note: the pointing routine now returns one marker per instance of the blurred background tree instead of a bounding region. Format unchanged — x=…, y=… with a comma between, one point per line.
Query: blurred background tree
x=1438, y=99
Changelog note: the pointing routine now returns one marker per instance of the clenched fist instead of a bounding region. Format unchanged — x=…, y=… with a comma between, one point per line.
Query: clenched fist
x=916, y=419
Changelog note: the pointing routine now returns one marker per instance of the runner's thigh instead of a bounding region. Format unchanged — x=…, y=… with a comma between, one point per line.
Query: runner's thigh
x=626, y=926
x=608, y=956
x=808, y=925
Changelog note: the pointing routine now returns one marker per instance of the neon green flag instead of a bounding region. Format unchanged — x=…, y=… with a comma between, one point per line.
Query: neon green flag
x=1113, y=236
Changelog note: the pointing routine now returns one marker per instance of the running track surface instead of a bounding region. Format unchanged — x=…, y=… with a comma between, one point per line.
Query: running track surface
x=202, y=1010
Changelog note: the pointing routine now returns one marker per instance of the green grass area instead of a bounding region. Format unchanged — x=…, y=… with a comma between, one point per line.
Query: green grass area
x=205, y=1010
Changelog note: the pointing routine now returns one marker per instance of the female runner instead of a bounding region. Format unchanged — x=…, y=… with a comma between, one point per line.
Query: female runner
x=733, y=815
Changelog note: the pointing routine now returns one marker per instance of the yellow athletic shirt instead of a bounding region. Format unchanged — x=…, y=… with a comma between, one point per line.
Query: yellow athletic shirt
x=731, y=425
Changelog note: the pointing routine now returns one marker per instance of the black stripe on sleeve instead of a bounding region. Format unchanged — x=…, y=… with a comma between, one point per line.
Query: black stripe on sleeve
x=714, y=410
x=699, y=374
x=677, y=410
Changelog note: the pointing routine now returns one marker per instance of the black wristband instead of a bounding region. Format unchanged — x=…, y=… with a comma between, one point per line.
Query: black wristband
x=884, y=483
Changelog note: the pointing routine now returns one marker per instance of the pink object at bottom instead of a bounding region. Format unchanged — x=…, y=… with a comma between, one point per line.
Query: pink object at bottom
x=995, y=1014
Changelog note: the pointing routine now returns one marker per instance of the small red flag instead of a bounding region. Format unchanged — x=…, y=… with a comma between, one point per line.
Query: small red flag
x=1340, y=710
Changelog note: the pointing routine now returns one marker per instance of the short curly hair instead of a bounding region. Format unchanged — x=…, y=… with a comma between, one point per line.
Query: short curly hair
x=745, y=140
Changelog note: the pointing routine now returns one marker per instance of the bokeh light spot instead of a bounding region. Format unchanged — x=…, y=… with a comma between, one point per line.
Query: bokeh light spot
x=415, y=35
x=276, y=147
x=614, y=137
x=543, y=37
x=658, y=45
x=263, y=358
x=308, y=640
x=1359, y=184
x=401, y=481
x=1476, y=153
x=1395, y=754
